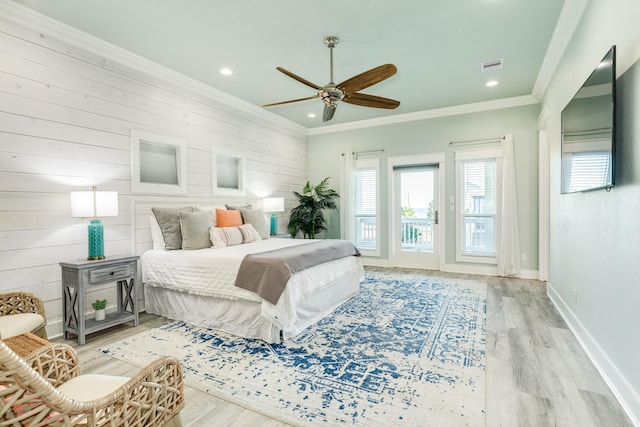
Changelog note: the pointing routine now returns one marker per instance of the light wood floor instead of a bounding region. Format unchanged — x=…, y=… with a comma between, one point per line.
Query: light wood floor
x=537, y=373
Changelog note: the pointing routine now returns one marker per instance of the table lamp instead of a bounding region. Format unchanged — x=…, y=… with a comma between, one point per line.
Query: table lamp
x=273, y=204
x=94, y=204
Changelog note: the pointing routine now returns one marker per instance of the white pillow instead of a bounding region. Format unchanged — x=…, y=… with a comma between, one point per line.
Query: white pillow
x=230, y=236
x=156, y=234
x=211, y=209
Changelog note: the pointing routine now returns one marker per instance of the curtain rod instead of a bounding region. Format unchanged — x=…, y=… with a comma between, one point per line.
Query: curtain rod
x=366, y=152
x=477, y=141
x=370, y=151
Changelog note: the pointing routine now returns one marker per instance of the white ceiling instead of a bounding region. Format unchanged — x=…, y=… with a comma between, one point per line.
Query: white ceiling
x=437, y=46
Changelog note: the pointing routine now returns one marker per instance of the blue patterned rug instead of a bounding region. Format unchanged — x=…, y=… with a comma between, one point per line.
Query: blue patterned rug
x=408, y=350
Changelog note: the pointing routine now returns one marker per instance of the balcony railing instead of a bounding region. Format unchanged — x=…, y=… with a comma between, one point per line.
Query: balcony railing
x=416, y=234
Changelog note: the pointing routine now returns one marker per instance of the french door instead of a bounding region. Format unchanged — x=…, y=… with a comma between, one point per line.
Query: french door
x=415, y=216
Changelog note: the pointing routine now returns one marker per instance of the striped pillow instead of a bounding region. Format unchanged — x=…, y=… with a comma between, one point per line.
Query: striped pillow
x=229, y=236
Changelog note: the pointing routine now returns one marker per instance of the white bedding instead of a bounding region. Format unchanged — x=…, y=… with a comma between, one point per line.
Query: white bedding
x=210, y=274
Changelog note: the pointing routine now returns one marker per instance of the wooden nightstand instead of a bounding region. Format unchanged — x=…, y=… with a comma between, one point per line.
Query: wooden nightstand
x=78, y=277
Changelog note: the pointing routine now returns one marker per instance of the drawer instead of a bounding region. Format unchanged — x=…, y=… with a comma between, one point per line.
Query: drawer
x=109, y=274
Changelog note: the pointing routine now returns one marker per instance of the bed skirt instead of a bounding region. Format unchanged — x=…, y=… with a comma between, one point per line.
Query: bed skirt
x=251, y=319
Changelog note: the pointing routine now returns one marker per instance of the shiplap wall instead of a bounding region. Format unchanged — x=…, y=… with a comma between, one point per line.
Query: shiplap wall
x=65, y=118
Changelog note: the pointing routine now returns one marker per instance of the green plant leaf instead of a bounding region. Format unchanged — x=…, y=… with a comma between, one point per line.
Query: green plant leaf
x=308, y=217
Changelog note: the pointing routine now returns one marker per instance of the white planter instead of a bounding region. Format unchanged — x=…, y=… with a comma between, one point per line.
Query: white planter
x=100, y=314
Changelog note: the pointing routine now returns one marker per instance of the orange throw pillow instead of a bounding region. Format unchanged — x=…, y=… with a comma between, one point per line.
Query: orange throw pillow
x=228, y=218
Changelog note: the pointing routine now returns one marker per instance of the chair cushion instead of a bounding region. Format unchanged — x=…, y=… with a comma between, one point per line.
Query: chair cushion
x=17, y=324
x=90, y=387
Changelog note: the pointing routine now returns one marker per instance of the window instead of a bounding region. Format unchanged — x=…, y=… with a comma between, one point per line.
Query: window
x=478, y=201
x=227, y=175
x=367, y=230
x=158, y=164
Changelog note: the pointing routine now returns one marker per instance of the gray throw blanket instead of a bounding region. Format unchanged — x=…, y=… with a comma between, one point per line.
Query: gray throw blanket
x=267, y=273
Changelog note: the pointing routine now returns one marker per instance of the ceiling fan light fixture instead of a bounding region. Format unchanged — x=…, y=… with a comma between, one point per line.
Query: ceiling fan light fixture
x=347, y=91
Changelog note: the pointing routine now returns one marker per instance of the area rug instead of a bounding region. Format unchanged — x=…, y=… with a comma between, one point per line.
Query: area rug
x=408, y=350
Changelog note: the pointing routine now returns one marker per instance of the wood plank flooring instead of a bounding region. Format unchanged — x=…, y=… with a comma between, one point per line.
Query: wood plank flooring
x=537, y=373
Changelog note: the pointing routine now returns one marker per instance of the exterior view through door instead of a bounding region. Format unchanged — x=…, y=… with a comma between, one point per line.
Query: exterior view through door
x=415, y=206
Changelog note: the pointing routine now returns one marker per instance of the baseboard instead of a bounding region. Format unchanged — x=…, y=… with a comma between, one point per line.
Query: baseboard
x=482, y=270
x=624, y=392
x=54, y=329
x=485, y=270
x=375, y=262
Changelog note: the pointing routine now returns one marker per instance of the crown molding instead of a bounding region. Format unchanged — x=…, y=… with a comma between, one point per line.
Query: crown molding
x=32, y=20
x=455, y=110
x=568, y=21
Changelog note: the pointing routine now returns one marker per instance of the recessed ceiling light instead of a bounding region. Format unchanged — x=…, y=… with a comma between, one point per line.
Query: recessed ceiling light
x=311, y=115
x=226, y=71
x=491, y=83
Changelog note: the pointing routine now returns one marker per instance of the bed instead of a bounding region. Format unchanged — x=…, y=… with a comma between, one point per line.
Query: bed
x=198, y=287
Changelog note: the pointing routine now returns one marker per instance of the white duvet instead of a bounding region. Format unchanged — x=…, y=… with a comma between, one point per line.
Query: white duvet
x=212, y=272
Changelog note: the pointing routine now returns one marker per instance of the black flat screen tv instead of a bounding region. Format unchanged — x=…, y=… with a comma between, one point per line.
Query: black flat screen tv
x=588, y=131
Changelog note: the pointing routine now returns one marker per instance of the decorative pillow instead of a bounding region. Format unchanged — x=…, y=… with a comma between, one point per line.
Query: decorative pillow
x=211, y=210
x=255, y=217
x=228, y=218
x=169, y=222
x=239, y=208
x=195, y=229
x=156, y=233
x=231, y=236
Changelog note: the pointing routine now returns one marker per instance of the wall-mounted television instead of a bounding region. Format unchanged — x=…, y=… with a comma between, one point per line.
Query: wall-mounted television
x=588, y=131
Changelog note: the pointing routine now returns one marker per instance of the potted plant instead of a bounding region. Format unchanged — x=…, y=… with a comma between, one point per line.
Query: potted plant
x=308, y=216
x=100, y=306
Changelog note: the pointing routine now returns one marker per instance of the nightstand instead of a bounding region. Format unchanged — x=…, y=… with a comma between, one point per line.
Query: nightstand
x=80, y=275
x=280, y=236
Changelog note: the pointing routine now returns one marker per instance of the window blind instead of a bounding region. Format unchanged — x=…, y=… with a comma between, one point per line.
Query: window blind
x=366, y=208
x=479, y=197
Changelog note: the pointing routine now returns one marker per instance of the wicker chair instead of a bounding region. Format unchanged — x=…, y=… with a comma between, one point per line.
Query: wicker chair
x=46, y=389
x=21, y=312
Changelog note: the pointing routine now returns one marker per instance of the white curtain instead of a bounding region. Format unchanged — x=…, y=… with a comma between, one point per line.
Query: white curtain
x=509, y=245
x=347, y=195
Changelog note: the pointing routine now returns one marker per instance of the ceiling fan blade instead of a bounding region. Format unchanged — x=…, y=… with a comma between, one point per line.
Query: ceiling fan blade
x=329, y=111
x=365, y=100
x=368, y=78
x=298, y=78
x=290, y=101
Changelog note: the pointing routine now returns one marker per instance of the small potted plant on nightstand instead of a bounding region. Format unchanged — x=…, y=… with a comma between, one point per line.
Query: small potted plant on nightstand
x=99, y=306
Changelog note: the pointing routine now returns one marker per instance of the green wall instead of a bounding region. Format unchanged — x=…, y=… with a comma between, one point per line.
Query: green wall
x=434, y=135
x=595, y=235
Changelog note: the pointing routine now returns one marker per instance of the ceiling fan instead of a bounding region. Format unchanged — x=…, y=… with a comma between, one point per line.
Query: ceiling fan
x=347, y=91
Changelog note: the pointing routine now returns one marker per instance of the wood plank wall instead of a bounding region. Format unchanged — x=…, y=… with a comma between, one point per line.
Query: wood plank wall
x=65, y=119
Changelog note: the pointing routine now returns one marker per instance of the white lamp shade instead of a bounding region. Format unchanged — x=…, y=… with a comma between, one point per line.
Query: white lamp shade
x=273, y=204
x=82, y=204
